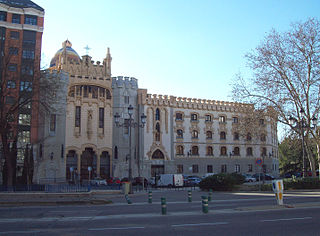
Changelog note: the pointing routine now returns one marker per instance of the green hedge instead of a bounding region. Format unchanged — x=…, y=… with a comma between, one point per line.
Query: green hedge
x=301, y=183
x=222, y=182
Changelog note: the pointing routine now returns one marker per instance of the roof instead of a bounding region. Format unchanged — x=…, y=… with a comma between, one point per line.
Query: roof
x=21, y=4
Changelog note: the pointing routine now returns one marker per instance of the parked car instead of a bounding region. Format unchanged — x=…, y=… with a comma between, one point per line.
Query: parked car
x=207, y=175
x=98, y=182
x=249, y=178
x=263, y=176
x=113, y=180
x=194, y=180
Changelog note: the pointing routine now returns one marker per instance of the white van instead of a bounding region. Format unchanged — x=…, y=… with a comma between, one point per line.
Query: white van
x=171, y=180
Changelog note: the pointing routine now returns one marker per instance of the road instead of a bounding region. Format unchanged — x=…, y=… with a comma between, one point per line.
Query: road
x=229, y=214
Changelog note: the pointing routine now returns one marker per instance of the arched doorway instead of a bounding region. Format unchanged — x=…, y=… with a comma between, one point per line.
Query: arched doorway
x=88, y=158
x=157, y=169
x=105, y=165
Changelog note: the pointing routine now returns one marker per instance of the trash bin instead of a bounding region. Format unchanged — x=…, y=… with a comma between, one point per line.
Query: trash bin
x=126, y=187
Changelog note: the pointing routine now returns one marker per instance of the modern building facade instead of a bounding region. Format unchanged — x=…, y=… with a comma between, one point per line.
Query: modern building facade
x=21, y=27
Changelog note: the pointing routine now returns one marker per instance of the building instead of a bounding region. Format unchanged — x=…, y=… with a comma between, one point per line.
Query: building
x=21, y=27
x=89, y=118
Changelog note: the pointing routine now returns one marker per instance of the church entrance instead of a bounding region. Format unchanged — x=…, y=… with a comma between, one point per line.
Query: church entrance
x=88, y=159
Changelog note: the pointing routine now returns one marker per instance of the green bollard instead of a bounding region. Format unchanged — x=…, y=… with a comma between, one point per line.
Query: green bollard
x=205, y=204
x=150, y=197
x=210, y=195
x=128, y=199
x=189, y=196
x=163, y=206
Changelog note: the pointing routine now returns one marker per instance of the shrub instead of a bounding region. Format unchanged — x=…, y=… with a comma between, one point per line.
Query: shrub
x=221, y=182
x=303, y=183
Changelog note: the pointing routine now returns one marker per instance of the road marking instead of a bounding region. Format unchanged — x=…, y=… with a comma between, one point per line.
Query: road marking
x=200, y=224
x=120, y=228
x=21, y=232
x=301, y=218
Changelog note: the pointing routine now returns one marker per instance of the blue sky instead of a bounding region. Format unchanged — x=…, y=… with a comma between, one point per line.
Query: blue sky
x=184, y=48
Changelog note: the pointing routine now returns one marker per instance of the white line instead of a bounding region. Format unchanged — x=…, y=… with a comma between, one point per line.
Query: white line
x=20, y=232
x=201, y=224
x=120, y=228
x=301, y=218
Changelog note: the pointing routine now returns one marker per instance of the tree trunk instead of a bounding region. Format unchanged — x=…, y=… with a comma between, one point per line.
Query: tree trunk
x=8, y=161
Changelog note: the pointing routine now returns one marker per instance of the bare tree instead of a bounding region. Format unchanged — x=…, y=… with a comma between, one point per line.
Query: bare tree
x=286, y=76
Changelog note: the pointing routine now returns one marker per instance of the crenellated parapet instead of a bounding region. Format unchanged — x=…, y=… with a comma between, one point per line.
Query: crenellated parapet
x=190, y=103
x=124, y=82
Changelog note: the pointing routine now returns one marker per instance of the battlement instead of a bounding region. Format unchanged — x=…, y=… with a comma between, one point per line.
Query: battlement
x=124, y=81
x=192, y=103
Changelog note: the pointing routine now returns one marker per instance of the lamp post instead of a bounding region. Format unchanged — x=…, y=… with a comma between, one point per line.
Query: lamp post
x=302, y=125
x=131, y=123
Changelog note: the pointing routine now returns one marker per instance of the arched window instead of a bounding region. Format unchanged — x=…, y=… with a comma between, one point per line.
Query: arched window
x=179, y=133
x=236, y=136
x=249, y=151
x=223, y=151
x=194, y=134
x=180, y=150
x=209, y=135
x=222, y=135
x=236, y=151
x=178, y=116
x=194, y=117
x=157, y=134
x=157, y=114
x=195, y=150
x=157, y=155
x=209, y=151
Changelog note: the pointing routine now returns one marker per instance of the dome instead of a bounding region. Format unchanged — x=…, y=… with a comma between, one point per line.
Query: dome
x=71, y=54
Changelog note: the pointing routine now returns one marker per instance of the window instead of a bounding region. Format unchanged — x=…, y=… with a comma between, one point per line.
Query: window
x=195, y=169
x=101, y=117
x=179, y=133
x=27, y=54
x=178, y=116
x=11, y=84
x=264, y=151
x=101, y=92
x=94, y=92
x=24, y=137
x=108, y=94
x=223, y=151
x=209, y=169
x=115, y=152
x=194, y=117
x=263, y=137
x=13, y=51
x=249, y=151
x=24, y=119
x=208, y=118
x=26, y=86
x=78, y=116
x=236, y=136
x=249, y=138
x=53, y=123
x=157, y=132
x=222, y=135
x=209, y=151
x=16, y=19
x=30, y=20
x=209, y=134
x=236, y=151
x=27, y=69
x=180, y=150
x=235, y=120
x=179, y=169
x=12, y=67
x=222, y=119
x=224, y=168
x=14, y=35
x=195, y=150
x=237, y=168
x=194, y=134
x=250, y=168
x=126, y=99
x=261, y=121
x=157, y=114
x=3, y=16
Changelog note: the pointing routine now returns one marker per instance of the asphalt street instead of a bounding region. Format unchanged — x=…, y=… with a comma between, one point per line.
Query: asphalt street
x=229, y=214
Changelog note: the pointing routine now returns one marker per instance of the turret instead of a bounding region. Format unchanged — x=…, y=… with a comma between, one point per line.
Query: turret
x=107, y=63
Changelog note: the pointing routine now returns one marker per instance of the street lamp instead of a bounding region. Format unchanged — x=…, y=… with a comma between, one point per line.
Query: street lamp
x=131, y=123
x=302, y=125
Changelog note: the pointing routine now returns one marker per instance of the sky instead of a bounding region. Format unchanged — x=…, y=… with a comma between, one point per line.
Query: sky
x=184, y=48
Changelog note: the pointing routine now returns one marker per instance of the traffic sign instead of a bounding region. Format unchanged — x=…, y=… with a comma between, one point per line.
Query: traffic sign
x=259, y=161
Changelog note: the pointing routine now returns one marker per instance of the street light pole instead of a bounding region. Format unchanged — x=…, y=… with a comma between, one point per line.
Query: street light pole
x=131, y=124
